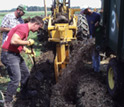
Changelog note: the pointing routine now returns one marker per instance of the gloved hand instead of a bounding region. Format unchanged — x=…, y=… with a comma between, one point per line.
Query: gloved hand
x=28, y=51
x=31, y=42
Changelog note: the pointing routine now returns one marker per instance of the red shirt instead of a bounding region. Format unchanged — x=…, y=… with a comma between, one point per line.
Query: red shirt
x=22, y=30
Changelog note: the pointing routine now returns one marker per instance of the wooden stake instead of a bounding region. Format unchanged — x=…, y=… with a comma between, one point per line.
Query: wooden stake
x=45, y=8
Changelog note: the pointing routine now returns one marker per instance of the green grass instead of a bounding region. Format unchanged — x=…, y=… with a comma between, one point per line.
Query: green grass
x=32, y=14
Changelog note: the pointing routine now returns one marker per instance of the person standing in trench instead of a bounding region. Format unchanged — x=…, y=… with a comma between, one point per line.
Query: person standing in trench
x=93, y=19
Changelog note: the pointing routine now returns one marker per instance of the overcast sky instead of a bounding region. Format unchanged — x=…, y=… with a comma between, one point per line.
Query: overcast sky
x=9, y=4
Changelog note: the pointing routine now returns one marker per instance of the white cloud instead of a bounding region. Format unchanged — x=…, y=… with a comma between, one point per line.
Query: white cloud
x=9, y=4
x=84, y=3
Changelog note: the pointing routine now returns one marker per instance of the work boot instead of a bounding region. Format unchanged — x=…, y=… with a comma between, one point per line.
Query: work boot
x=8, y=104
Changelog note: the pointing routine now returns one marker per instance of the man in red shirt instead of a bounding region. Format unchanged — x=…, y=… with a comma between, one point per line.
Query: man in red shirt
x=15, y=43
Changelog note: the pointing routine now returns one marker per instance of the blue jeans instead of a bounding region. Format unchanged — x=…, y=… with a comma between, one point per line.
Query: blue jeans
x=17, y=71
x=96, y=60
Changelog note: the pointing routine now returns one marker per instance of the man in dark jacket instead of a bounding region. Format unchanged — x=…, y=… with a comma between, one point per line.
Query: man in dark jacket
x=93, y=19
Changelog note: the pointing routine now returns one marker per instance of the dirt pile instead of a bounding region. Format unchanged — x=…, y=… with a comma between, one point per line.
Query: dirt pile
x=79, y=86
x=39, y=84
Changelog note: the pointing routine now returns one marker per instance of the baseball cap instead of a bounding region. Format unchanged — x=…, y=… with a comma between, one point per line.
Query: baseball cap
x=84, y=8
x=22, y=7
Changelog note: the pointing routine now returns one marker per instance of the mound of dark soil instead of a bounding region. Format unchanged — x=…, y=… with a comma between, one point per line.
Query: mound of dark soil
x=39, y=84
x=79, y=86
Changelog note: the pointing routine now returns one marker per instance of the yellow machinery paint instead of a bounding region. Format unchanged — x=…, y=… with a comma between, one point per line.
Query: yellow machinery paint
x=62, y=34
x=111, y=78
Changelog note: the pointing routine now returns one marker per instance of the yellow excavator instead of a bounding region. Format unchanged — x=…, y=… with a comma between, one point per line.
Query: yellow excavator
x=62, y=29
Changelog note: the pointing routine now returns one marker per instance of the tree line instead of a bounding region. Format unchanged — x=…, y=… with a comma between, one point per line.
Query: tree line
x=30, y=8
x=33, y=8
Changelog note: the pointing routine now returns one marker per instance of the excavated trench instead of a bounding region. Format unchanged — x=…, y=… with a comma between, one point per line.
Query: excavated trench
x=78, y=86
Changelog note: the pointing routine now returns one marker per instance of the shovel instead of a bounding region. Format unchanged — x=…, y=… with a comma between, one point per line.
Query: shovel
x=33, y=56
x=38, y=75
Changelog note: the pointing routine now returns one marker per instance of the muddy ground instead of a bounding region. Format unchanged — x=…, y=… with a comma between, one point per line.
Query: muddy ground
x=78, y=86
